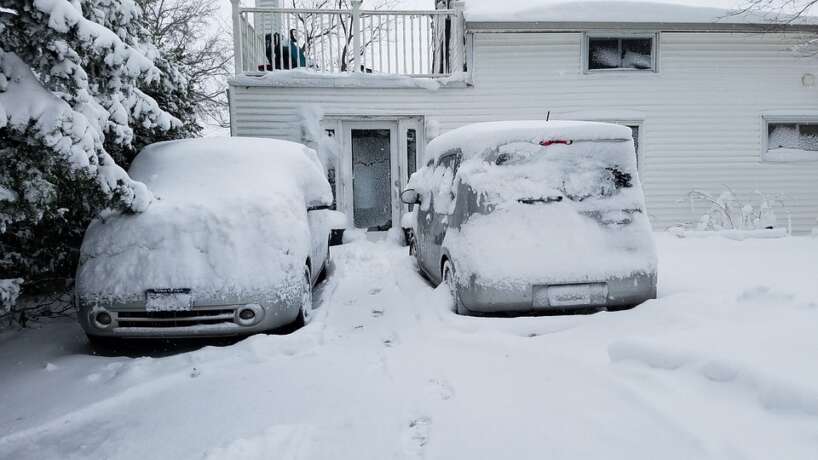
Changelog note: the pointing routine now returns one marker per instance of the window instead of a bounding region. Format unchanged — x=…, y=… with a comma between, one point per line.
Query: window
x=621, y=53
x=792, y=141
x=411, y=152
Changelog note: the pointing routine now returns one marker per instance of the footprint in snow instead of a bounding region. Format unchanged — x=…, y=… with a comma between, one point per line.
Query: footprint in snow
x=377, y=312
x=441, y=388
x=417, y=437
x=374, y=291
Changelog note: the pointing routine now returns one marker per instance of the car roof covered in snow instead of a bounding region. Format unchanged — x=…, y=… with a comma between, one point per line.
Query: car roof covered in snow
x=229, y=221
x=227, y=168
x=476, y=139
x=661, y=14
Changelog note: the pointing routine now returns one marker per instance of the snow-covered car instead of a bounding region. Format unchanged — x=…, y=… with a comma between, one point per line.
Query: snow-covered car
x=532, y=217
x=233, y=243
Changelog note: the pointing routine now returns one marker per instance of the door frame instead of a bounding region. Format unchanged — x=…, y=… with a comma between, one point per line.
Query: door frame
x=343, y=125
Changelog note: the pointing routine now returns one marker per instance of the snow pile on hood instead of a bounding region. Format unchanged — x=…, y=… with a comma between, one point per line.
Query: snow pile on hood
x=229, y=220
x=662, y=11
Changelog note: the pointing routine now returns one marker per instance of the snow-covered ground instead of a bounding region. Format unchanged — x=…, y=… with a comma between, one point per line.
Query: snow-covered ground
x=723, y=365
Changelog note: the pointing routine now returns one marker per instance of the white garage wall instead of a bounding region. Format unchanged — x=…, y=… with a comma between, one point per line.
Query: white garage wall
x=702, y=112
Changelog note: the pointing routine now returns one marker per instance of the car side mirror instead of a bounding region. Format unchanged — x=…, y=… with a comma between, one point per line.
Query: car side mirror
x=410, y=196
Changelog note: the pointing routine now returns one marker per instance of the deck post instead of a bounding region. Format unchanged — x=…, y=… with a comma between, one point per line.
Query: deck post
x=356, y=38
x=237, y=37
x=458, y=48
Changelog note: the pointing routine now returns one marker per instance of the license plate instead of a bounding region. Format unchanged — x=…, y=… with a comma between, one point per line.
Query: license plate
x=573, y=295
x=168, y=300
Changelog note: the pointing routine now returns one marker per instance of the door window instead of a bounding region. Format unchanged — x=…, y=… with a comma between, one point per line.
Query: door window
x=371, y=178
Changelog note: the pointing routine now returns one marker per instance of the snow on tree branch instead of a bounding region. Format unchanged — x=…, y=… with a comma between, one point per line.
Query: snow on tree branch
x=9, y=291
x=29, y=109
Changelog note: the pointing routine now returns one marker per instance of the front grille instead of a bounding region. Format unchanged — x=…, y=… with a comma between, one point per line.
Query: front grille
x=159, y=319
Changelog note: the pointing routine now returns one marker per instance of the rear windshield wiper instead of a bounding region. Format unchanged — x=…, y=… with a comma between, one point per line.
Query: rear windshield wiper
x=545, y=200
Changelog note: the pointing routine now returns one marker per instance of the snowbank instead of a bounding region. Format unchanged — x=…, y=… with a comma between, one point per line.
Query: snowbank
x=613, y=11
x=730, y=234
x=229, y=220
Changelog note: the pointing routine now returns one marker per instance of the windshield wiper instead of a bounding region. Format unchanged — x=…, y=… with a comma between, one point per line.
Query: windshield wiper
x=545, y=200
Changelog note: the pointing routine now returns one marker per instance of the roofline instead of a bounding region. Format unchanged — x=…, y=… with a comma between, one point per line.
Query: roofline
x=567, y=26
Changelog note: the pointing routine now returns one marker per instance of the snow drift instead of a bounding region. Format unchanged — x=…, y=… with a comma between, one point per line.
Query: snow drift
x=229, y=220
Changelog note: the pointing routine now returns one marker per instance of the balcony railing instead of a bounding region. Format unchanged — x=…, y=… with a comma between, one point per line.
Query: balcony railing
x=413, y=43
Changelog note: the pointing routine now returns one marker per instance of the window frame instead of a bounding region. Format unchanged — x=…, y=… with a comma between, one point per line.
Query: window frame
x=795, y=119
x=586, y=49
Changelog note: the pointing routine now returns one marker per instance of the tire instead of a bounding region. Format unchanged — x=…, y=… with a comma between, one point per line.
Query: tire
x=305, y=309
x=323, y=275
x=449, y=280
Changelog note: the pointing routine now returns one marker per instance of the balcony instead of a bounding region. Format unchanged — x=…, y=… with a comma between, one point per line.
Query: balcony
x=423, y=44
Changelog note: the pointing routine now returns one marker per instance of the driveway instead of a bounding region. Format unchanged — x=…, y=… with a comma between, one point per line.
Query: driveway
x=722, y=365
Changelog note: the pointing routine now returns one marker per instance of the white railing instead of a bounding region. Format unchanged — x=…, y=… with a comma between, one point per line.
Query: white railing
x=414, y=43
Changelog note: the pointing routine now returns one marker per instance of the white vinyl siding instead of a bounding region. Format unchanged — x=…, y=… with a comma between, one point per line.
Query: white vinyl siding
x=701, y=115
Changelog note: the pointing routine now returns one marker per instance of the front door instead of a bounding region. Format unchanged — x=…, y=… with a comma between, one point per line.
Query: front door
x=372, y=150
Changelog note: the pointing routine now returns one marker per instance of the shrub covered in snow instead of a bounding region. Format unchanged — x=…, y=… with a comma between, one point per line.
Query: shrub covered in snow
x=9, y=291
x=727, y=212
x=76, y=80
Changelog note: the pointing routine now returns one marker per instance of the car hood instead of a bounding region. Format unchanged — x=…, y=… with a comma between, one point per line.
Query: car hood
x=228, y=250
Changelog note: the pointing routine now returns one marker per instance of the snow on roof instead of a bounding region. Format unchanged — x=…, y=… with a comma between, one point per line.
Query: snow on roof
x=308, y=78
x=478, y=138
x=610, y=11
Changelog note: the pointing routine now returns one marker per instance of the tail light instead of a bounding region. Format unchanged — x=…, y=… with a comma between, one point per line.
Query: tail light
x=556, y=141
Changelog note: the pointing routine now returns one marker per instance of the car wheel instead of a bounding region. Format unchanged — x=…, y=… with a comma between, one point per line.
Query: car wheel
x=449, y=281
x=305, y=309
x=323, y=275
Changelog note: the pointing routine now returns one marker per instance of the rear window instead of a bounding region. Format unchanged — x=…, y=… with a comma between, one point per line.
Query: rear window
x=574, y=170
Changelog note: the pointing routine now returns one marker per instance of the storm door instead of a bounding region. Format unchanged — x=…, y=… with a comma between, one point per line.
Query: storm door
x=372, y=153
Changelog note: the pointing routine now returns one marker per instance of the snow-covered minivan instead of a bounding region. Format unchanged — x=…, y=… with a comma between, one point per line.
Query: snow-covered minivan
x=232, y=244
x=529, y=217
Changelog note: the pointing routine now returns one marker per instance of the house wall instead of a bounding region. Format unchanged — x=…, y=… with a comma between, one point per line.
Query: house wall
x=701, y=113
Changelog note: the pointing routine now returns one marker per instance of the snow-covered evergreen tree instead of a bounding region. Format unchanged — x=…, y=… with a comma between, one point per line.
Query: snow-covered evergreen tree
x=80, y=87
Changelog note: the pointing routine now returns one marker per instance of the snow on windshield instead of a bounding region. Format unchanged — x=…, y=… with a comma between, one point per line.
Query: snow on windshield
x=229, y=220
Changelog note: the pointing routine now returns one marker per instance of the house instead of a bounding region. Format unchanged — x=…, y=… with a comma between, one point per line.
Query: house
x=714, y=99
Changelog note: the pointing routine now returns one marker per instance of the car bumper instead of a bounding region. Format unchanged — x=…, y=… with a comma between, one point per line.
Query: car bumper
x=132, y=320
x=617, y=293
